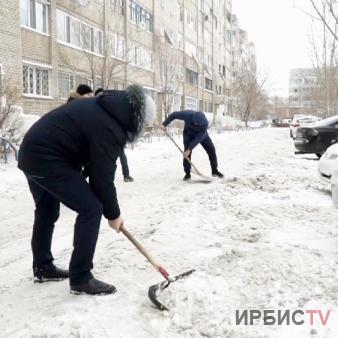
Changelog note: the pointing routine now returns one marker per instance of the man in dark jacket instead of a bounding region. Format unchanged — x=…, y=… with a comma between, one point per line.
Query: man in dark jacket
x=195, y=132
x=90, y=132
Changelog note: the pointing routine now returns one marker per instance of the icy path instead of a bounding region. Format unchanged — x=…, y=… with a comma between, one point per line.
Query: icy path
x=266, y=237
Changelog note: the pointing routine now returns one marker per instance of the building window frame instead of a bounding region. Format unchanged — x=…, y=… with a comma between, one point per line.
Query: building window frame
x=191, y=103
x=140, y=15
x=78, y=34
x=30, y=18
x=191, y=77
x=35, y=83
x=140, y=56
x=208, y=84
x=118, y=47
x=117, y=6
x=70, y=78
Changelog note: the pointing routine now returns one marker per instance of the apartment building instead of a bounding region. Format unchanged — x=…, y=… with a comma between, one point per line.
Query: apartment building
x=302, y=86
x=50, y=46
x=243, y=58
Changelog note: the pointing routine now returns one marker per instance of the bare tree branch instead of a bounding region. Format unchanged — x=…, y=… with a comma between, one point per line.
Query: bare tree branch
x=324, y=20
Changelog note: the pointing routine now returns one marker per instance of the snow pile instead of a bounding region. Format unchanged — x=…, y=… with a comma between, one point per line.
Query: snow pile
x=229, y=122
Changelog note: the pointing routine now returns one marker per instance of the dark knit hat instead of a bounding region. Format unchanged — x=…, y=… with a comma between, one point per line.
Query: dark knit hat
x=83, y=89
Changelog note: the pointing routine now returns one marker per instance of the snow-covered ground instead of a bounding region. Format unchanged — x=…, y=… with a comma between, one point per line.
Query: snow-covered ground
x=265, y=237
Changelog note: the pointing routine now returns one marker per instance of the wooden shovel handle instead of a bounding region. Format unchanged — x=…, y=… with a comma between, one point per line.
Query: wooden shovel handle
x=144, y=252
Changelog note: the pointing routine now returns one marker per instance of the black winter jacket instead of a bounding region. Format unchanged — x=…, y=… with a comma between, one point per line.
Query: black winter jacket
x=91, y=132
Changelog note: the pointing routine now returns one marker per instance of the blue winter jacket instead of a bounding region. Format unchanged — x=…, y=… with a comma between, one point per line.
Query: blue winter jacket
x=195, y=124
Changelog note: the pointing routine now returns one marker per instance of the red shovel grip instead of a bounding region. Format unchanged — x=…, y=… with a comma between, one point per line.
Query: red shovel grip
x=163, y=272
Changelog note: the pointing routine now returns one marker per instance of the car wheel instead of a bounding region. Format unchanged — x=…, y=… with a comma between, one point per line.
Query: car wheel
x=319, y=155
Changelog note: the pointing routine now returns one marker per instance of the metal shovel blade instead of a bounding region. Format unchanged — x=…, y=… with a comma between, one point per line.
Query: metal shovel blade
x=155, y=289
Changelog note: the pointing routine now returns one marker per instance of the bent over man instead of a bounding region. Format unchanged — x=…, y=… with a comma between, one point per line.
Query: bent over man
x=195, y=132
x=91, y=132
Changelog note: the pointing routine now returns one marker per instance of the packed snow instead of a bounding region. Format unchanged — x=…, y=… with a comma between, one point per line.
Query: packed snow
x=264, y=237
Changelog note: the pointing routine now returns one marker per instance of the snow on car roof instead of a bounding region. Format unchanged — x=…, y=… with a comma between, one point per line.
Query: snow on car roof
x=327, y=121
x=307, y=119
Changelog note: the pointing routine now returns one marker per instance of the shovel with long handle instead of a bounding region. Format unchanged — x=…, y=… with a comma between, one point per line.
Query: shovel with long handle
x=152, y=291
x=197, y=172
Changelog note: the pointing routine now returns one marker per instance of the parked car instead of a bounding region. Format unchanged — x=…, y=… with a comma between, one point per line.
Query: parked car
x=328, y=170
x=281, y=123
x=328, y=163
x=316, y=139
x=302, y=121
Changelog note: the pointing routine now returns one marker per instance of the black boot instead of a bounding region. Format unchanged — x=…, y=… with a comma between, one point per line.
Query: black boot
x=48, y=273
x=187, y=177
x=93, y=287
x=216, y=173
x=128, y=179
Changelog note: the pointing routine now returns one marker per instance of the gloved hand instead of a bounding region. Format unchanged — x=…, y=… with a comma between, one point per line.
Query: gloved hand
x=116, y=223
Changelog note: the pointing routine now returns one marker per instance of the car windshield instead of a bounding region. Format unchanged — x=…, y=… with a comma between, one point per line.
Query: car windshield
x=328, y=121
x=297, y=117
x=307, y=120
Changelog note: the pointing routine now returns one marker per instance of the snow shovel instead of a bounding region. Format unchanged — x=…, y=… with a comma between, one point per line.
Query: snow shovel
x=195, y=170
x=154, y=289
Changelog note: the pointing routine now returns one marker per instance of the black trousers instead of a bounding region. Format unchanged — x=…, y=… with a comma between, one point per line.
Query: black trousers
x=73, y=191
x=124, y=164
x=208, y=146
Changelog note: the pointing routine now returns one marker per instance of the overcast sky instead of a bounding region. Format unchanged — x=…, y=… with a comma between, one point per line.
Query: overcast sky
x=280, y=30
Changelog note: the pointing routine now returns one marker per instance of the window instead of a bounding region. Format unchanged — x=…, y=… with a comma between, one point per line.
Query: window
x=191, y=77
x=141, y=56
x=83, y=79
x=181, y=11
x=228, y=36
x=208, y=60
x=140, y=15
x=191, y=22
x=78, y=34
x=191, y=103
x=190, y=49
x=118, y=46
x=179, y=41
x=208, y=84
x=66, y=84
x=34, y=14
x=36, y=80
x=118, y=6
x=208, y=107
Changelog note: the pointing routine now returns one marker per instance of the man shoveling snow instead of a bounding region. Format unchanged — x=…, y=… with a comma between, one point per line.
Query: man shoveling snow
x=195, y=132
x=90, y=132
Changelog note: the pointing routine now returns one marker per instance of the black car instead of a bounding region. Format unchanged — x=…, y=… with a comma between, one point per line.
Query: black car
x=316, y=139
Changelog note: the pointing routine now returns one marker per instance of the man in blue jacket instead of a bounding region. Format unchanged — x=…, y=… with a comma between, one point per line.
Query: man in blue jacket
x=195, y=132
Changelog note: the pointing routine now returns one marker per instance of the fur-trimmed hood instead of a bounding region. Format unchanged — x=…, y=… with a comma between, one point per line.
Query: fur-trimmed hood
x=131, y=108
x=73, y=95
